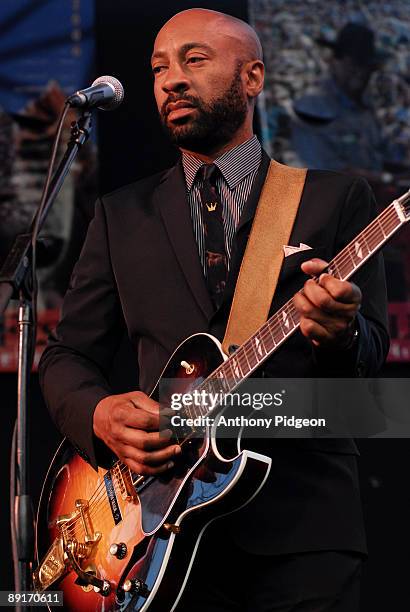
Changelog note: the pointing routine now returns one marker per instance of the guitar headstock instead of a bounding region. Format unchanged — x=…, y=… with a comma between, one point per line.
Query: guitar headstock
x=404, y=203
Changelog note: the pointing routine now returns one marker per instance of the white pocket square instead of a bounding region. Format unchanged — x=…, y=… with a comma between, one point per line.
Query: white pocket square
x=291, y=250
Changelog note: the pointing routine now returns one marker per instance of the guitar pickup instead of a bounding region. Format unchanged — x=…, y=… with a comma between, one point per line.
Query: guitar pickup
x=124, y=482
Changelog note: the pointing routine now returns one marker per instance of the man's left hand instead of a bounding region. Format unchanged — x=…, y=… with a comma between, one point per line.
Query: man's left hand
x=327, y=307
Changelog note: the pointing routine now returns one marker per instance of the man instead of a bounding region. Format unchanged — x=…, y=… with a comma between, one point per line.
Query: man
x=146, y=267
x=335, y=127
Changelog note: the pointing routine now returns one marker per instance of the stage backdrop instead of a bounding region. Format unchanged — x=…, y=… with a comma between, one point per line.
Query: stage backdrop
x=46, y=53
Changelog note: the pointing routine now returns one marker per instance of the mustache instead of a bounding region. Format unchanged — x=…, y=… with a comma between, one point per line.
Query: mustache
x=177, y=98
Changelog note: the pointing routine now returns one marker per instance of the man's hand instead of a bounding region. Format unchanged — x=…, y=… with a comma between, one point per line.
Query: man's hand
x=129, y=425
x=327, y=308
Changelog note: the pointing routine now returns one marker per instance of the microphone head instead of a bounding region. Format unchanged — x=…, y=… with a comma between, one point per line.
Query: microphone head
x=118, y=91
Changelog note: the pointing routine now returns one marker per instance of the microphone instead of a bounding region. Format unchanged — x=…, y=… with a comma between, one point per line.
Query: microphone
x=105, y=93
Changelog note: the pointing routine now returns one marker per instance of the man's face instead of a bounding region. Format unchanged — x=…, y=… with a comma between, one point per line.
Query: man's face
x=198, y=85
x=351, y=76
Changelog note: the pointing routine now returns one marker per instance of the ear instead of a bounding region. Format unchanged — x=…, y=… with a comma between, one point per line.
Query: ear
x=255, y=73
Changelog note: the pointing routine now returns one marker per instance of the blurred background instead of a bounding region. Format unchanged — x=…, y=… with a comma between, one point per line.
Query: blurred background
x=337, y=97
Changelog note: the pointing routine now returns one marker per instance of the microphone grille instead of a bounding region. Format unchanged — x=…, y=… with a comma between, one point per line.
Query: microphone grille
x=118, y=88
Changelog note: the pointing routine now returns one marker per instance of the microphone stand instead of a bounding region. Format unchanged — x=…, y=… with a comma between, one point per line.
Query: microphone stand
x=16, y=282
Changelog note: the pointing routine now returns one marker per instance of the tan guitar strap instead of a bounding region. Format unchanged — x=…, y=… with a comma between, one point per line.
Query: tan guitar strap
x=264, y=253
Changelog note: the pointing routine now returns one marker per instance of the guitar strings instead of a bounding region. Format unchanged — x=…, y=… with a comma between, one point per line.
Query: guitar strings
x=98, y=495
x=98, y=502
x=95, y=508
x=391, y=215
x=346, y=257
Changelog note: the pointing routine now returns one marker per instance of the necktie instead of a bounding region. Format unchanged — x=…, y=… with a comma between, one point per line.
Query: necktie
x=215, y=255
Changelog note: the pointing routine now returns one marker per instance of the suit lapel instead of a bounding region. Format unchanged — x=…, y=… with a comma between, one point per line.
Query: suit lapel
x=249, y=210
x=170, y=197
x=243, y=229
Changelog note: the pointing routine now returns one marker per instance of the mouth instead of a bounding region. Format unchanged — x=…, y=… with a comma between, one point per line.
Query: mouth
x=179, y=110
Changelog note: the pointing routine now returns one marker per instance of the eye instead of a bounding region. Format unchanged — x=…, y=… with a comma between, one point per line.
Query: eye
x=158, y=69
x=194, y=59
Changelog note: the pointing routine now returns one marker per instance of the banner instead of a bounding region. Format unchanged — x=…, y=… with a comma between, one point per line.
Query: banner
x=46, y=53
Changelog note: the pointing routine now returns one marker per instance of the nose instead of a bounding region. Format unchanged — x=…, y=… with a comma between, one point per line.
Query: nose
x=175, y=80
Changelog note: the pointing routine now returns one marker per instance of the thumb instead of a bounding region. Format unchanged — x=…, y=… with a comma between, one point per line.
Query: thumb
x=314, y=267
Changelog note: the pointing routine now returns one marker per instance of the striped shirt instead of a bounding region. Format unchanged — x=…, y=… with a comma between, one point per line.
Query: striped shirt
x=238, y=168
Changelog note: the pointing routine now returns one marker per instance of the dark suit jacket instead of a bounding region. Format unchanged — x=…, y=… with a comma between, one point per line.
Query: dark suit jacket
x=139, y=275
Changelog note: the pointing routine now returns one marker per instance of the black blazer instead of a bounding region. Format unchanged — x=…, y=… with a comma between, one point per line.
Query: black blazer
x=139, y=276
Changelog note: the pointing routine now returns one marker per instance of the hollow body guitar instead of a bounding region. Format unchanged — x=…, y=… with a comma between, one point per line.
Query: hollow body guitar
x=136, y=527
x=114, y=540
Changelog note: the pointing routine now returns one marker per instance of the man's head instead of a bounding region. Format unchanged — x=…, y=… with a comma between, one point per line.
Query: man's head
x=208, y=71
x=354, y=59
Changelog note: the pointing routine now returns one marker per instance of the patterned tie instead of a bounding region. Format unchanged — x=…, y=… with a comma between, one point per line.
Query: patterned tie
x=215, y=255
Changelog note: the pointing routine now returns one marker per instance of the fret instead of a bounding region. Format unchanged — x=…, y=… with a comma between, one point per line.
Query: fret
x=216, y=386
x=224, y=376
x=292, y=314
x=245, y=352
x=393, y=223
x=250, y=353
x=259, y=348
x=333, y=268
x=225, y=384
x=242, y=361
x=228, y=366
x=271, y=339
x=348, y=249
x=286, y=323
x=237, y=373
x=359, y=248
x=238, y=368
x=222, y=380
x=364, y=236
x=378, y=234
x=389, y=225
x=211, y=385
x=252, y=343
x=277, y=331
x=262, y=337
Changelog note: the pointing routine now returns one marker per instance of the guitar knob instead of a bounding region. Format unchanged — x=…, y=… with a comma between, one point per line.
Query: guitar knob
x=118, y=550
x=104, y=589
x=135, y=586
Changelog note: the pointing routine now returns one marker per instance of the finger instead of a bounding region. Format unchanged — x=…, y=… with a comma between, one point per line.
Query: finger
x=314, y=266
x=144, y=440
x=309, y=310
x=146, y=470
x=140, y=418
x=320, y=297
x=315, y=332
x=153, y=458
x=336, y=326
x=141, y=400
x=342, y=291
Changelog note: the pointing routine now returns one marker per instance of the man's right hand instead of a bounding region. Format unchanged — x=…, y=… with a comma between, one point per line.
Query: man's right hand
x=129, y=425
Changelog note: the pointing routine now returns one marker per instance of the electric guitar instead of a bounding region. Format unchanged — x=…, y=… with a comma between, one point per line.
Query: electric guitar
x=116, y=540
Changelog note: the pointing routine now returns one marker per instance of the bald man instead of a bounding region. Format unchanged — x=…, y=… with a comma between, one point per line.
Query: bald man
x=145, y=272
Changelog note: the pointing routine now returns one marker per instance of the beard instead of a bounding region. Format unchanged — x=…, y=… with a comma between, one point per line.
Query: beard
x=215, y=123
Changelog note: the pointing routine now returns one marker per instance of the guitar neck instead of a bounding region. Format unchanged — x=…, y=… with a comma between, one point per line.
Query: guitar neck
x=286, y=320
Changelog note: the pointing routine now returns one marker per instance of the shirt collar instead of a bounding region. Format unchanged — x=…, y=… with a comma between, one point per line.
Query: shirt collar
x=234, y=164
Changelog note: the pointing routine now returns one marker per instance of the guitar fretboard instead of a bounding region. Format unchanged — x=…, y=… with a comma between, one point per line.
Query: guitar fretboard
x=286, y=320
